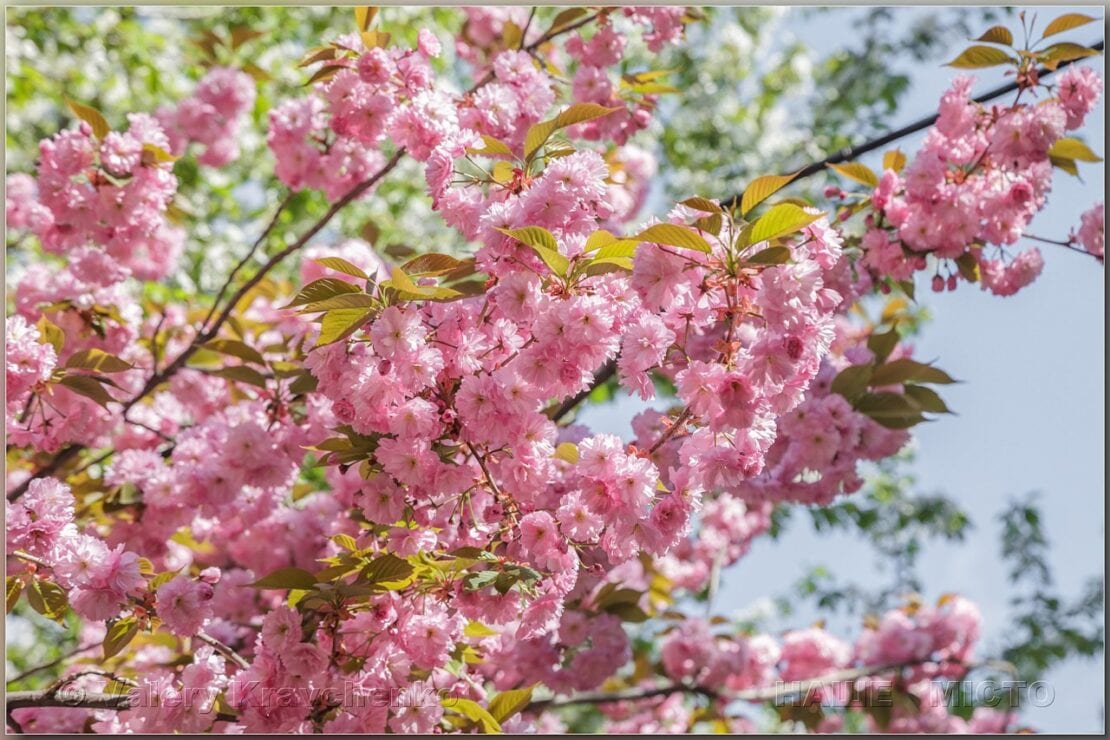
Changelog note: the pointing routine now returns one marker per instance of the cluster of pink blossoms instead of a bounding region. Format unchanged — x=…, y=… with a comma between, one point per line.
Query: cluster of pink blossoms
x=1091, y=234
x=212, y=117
x=975, y=184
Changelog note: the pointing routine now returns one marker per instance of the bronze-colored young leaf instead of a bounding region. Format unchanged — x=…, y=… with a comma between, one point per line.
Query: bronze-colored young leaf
x=341, y=265
x=284, y=578
x=321, y=289
x=978, y=57
x=1066, y=22
x=364, y=16
x=235, y=348
x=91, y=116
x=894, y=160
x=997, y=35
x=89, y=387
x=98, y=360
x=242, y=374
x=769, y=256
x=857, y=171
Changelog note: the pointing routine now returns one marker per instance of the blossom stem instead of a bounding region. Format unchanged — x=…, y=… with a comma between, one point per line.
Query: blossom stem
x=246, y=258
x=1066, y=245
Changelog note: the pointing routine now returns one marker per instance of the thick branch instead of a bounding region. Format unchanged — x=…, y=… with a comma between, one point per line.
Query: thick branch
x=78, y=699
x=608, y=370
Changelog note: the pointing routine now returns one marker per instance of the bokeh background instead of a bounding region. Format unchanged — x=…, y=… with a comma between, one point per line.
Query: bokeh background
x=764, y=90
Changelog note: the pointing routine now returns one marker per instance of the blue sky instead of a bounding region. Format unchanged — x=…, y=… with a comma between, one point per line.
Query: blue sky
x=1030, y=412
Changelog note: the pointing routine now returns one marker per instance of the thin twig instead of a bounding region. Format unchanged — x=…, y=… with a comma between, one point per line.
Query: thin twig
x=46, y=666
x=246, y=258
x=224, y=650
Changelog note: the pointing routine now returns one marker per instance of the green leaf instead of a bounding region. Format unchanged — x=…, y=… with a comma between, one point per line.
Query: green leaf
x=977, y=57
x=628, y=612
x=508, y=703
x=321, y=289
x=235, y=348
x=674, y=236
x=340, y=323
x=762, y=188
x=852, y=381
x=857, y=171
x=1066, y=22
x=781, y=220
x=892, y=410
x=346, y=541
x=539, y=133
x=343, y=300
x=50, y=333
x=968, y=267
x=284, y=578
x=567, y=451
x=120, y=633
x=619, y=248
x=533, y=236
x=91, y=116
x=905, y=369
x=341, y=265
x=1067, y=165
x=14, y=587
x=894, y=160
x=477, y=629
x=597, y=240
x=1065, y=52
x=48, y=599
x=158, y=154
x=543, y=243
x=1074, y=149
x=493, y=147
x=97, y=359
x=770, y=256
x=473, y=711
x=242, y=374
x=89, y=387
x=881, y=345
x=386, y=569
x=364, y=16
x=927, y=399
x=997, y=35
